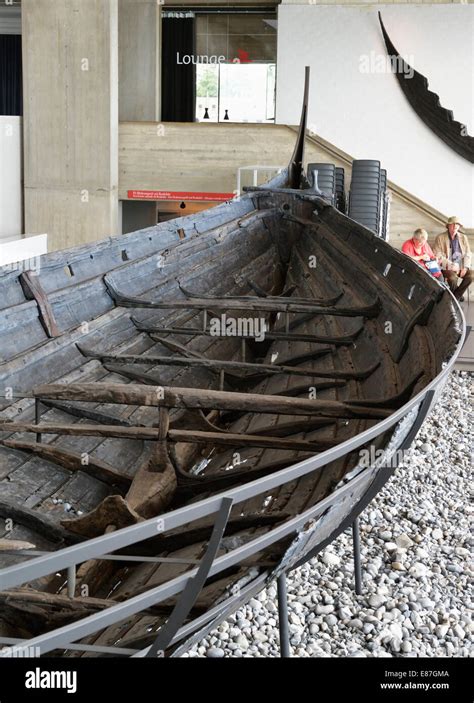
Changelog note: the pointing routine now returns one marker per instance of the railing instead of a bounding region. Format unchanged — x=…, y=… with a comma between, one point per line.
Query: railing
x=255, y=171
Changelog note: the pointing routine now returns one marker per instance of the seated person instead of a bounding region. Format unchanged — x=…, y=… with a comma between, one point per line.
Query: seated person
x=418, y=248
x=452, y=248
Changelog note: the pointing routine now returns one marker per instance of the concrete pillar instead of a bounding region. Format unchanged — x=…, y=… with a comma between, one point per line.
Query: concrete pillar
x=70, y=79
x=139, y=60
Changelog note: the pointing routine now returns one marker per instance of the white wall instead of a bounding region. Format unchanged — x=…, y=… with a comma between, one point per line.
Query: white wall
x=28, y=250
x=10, y=177
x=366, y=114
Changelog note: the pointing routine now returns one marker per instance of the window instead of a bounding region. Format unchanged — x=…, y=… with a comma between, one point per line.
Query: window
x=235, y=67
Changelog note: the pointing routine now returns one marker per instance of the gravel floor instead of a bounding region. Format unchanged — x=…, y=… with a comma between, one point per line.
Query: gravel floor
x=415, y=553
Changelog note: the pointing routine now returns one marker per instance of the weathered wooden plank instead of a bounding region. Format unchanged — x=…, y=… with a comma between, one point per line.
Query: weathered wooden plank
x=88, y=413
x=35, y=521
x=65, y=458
x=269, y=335
x=224, y=365
x=247, y=440
x=34, y=291
x=274, y=298
x=82, y=491
x=7, y=545
x=172, y=397
x=152, y=489
x=259, y=305
x=75, y=430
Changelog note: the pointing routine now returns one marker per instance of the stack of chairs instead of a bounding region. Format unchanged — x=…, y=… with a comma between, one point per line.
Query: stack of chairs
x=328, y=180
x=368, y=202
x=340, y=190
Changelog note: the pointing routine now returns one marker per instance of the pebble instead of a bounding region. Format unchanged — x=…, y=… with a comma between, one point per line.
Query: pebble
x=242, y=642
x=404, y=541
x=390, y=546
x=455, y=568
x=418, y=570
x=215, y=653
x=331, y=620
x=397, y=566
x=376, y=600
x=395, y=644
x=396, y=630
x=345, y=613
x=331, y=559
x=441, y=631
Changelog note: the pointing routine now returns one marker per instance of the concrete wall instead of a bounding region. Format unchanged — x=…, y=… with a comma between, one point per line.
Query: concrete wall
x=11, y=190
x=139, y=60
x=366, y=114
x=196, y=156
x=70, y=64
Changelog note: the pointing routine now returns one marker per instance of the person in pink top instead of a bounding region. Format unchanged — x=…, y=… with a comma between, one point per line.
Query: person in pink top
x=418, y=249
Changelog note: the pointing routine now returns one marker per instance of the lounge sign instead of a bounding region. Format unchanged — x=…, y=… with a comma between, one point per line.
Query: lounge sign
x=177, y=195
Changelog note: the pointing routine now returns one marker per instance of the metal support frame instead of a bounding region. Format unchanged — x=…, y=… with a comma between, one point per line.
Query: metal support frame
x=254, y=170
x=283, y=616
x=71, y=581
x=193, y=586
x=357, y=564
x=38, y=417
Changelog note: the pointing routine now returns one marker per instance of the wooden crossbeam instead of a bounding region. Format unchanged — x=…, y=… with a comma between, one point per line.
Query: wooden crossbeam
x=79, y=430
x=230, y=439
x=173, y=397
x=271, y=298
x=224, y=365
x=140, y=433
x=258, y=305
x=337, y=340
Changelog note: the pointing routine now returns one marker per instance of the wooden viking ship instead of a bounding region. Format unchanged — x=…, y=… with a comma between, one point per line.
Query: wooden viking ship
x=185, y=411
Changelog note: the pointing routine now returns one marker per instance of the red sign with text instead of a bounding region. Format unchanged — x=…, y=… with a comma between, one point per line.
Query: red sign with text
x=174, y=195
